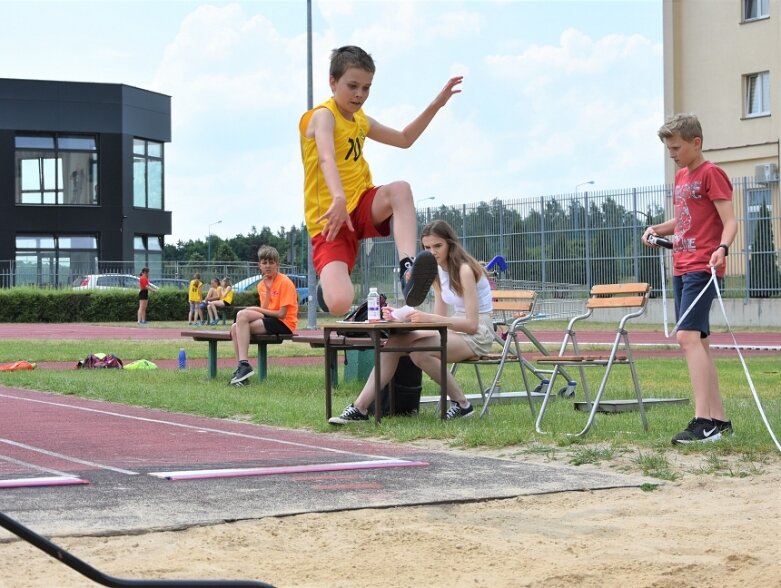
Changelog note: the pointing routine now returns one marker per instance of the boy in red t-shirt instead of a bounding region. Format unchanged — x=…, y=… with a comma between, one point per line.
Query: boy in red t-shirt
x=702, y=231
x=276, y=315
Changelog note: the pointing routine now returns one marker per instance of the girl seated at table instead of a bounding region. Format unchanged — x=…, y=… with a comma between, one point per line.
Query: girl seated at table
x=461, y=284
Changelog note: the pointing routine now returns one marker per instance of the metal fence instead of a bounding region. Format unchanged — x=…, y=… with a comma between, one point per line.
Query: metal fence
x=593, y=237
x=68, y=274
x=582, y=239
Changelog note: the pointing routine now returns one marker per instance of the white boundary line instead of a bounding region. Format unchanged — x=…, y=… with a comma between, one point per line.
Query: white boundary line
x=59, y=477
x=66, y=458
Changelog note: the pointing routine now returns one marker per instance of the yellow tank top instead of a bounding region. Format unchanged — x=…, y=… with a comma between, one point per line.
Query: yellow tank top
x=226, y=295
x=349, y=138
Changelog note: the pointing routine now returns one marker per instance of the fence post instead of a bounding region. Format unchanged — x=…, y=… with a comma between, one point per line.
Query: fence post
x=544, y=273
x=587, y=237
x=635, y=241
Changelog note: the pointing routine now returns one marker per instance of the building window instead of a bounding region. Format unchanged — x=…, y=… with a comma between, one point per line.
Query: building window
x=758, y=94
x=148, y=252
x=147, y=174
x=56, y=170
x=54, y=260
x=754, y=9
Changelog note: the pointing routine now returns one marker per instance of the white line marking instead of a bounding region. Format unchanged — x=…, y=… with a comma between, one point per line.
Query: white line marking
x=67, y=458
x=195, y=427
x=297, y=469
x=33, y=466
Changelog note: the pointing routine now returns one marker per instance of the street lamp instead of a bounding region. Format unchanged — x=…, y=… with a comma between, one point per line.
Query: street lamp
x=209, y=239
x=582, y=184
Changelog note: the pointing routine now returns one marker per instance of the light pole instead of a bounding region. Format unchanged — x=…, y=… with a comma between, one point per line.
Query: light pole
x=587, y=236
x=209, y=239
x=582, y=184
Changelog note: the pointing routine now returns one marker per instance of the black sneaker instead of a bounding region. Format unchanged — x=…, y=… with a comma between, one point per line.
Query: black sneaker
x=725, y=427
x=320, y=300
x=243, y=372
x=241, y=384
x=698, y=431
x=422, y=272
x=349, y=415
x=456, y=411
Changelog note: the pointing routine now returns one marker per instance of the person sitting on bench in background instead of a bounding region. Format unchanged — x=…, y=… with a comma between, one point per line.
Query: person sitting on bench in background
x=461, y=283
x=276, y=315
x=225, y=301
x=211, y=295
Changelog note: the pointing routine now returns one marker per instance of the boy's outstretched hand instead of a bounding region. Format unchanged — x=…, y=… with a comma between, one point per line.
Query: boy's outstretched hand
x=451, y=87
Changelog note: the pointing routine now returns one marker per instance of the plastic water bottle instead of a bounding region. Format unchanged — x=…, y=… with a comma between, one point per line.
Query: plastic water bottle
x=182, y=359
x=373, y=306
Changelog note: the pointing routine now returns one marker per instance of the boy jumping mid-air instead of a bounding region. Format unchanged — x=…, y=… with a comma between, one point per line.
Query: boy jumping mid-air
x=342, y=205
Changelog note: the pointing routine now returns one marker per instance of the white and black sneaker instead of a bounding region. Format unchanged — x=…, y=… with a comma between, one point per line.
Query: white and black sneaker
x=242, y=373
x=349, y=415
x=456, y=411
x=698, y=431
x=416, y=277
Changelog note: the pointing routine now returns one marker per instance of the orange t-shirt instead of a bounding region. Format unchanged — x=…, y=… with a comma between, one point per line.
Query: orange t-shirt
x=282, y=293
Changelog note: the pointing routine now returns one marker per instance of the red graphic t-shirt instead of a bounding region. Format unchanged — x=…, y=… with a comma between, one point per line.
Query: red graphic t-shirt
x=698, y=226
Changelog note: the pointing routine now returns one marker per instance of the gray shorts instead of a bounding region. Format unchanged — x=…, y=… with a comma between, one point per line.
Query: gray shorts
x=482, y=341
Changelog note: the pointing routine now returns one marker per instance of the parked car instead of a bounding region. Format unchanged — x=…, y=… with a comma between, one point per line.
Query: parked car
x=105, y=281
x=251, y=285
x=172, y=283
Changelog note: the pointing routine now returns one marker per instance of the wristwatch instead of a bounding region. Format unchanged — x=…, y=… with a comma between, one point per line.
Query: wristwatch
x=726, y=249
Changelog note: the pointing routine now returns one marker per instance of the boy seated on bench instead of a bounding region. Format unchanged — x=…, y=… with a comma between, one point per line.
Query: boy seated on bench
x=276, y=315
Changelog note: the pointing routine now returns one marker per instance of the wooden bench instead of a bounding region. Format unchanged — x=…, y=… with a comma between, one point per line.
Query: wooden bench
x=213, y=337
x=336, y=343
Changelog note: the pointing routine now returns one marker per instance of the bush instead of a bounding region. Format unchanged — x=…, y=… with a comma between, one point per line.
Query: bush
x=34, y=305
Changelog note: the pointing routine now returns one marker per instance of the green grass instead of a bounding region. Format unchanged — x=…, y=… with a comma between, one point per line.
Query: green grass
x=293, y=397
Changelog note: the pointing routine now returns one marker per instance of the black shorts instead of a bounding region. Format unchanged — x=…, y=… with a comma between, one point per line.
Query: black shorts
x=274, y=326
x=143, y=295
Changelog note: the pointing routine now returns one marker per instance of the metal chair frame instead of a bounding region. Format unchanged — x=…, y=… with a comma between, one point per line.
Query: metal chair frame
x=513, y=309
x=632, y=297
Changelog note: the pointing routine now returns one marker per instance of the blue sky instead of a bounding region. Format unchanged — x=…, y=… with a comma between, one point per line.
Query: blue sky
x=555, y=93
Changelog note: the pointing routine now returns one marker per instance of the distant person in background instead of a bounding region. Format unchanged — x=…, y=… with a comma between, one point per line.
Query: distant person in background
x=212, y=295
x=276, y=315
x=143, y=294
x=225, y=301
x=194, y=297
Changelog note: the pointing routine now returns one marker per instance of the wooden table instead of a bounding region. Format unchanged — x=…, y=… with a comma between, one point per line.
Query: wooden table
x=374, y=331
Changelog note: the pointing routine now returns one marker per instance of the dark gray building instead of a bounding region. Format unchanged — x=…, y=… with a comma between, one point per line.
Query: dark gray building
x=82, y=172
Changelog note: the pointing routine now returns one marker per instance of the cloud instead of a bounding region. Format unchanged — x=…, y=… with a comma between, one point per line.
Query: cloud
x=223, y=59
x=584, y=109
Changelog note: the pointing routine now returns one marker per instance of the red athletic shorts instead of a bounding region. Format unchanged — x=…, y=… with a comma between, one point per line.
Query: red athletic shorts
x=345, y=246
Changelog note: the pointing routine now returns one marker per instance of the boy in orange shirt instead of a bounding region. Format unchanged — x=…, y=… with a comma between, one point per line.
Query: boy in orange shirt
x=276, y=315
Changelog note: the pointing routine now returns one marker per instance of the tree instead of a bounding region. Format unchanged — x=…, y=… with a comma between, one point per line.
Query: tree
x=763, y=275
x=224, y=253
